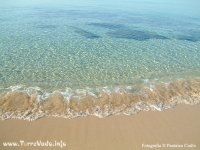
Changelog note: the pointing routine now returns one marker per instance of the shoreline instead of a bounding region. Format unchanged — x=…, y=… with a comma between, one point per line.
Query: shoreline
x=179, y=125
x=30, y=106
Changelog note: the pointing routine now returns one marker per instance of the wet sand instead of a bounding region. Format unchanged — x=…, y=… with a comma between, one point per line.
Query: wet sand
x=180, y=125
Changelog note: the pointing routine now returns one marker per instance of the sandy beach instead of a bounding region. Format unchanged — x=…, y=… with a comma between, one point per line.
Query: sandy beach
x=176, y=127
x=99, y=75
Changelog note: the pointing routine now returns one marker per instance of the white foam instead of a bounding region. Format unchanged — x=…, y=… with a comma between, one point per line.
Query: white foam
x=140, y=106
x=107, y=110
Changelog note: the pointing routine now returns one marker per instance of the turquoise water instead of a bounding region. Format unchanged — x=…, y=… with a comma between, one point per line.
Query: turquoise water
x=93, y=44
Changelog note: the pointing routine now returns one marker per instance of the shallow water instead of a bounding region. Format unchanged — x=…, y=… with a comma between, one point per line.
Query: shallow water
x=90, y=46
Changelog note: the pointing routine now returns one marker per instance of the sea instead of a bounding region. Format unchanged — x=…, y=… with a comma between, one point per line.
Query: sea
x=92, y=57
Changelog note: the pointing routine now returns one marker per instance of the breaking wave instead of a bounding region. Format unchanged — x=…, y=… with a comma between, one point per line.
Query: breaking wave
x=18, y=102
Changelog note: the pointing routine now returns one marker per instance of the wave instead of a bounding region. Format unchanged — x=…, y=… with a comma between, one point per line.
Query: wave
x=18, y=102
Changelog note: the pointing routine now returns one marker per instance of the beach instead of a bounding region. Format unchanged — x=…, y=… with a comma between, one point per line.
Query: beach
x=177, y=126
x=100, y=75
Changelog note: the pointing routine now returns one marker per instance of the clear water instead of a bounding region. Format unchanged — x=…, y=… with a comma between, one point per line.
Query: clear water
x=93, y=44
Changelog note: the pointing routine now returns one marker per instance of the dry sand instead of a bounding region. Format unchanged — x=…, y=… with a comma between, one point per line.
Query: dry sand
x=180, y=125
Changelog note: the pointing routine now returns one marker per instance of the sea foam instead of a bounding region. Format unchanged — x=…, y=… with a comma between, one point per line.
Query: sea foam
x=18, y=102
